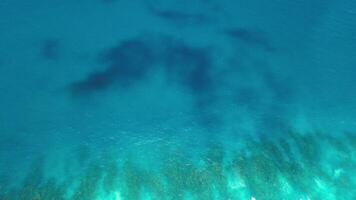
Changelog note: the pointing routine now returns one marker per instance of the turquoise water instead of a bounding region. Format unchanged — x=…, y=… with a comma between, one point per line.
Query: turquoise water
x=178, y=99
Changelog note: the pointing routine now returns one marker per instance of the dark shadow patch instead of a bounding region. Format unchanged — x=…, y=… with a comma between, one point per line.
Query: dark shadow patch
x=95, y=81
x=204, y=109
x=178, y=17
x=50, y=49
x=248, y=97
x=199, y=80
x=206, y=118
x=130, y=61
x=127, y=63
x=251, y=37
x=281, y=87
x=191, y=66
x=181, y=18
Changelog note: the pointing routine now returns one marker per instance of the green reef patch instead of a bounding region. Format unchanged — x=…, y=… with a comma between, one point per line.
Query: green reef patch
x=291, y=166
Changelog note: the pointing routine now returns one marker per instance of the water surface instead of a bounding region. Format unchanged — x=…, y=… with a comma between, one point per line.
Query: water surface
x=199, y=99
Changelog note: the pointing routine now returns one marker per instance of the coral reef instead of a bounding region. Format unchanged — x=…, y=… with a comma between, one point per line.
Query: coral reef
x=292, y=166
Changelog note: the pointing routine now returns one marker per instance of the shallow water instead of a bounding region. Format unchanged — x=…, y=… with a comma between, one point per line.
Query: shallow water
x=199, y=99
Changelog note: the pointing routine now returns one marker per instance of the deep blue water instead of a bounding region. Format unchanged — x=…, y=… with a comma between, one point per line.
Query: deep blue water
x=177, y=99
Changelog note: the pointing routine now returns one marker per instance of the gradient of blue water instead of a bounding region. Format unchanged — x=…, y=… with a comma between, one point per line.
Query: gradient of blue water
x=272, y=66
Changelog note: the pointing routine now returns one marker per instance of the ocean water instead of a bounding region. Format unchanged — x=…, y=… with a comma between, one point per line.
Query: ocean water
x=177, y=99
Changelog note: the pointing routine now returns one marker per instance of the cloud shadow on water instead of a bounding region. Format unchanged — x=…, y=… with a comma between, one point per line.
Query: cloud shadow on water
x=281, y=87
x=191, y=66
x=126, y=64
x=251, y=37
x=178, y=17
x=50, y=49
x=129, y=62
x=248, y=97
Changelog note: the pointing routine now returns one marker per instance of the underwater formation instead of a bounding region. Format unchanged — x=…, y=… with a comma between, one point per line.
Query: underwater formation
x=292, y=166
